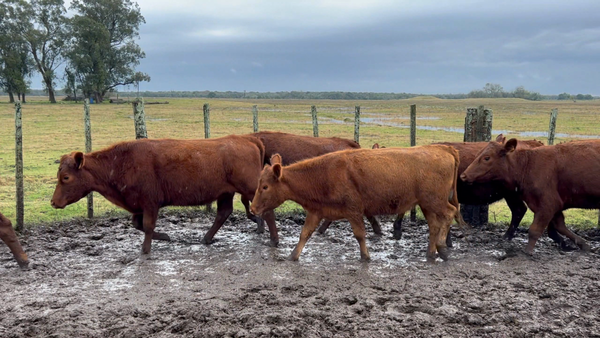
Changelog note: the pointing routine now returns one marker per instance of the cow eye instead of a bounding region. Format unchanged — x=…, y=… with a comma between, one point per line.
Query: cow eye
x=487, y=158
x=66, y=178
x=265, y=187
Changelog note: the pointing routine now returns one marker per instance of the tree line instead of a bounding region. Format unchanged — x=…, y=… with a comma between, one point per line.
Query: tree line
x=95, y=46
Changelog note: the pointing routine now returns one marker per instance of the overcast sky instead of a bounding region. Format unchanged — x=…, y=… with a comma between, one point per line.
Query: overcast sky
x=373, y=46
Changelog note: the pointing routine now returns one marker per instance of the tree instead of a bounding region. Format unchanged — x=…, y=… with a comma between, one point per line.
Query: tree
x=15, y=62
x=103, y=53
x=493, y=90
x=46, y=32
x=564, y=96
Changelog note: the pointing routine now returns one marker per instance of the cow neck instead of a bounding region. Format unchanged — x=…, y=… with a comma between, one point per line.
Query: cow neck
x=302, y=185
x=518, y=168
x=99, y=167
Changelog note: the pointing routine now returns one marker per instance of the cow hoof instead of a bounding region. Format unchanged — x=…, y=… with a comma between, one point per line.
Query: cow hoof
x=364, y=258
x=260, y=229
x=378, y=232
x=507, y=237
x=273, y=243
x=24, y=266
x=397, y=235
x=293, y=258
x=584, y=247
x=527, y=252
x=206, y=241
x=430, y=260
x=443, y=253
x=449, y=242
x=161, y=236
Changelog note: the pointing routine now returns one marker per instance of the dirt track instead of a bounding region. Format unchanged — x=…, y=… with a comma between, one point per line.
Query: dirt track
x=88, y=279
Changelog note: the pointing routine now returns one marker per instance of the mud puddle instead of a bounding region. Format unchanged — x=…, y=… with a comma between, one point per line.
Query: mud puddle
x=88, y=279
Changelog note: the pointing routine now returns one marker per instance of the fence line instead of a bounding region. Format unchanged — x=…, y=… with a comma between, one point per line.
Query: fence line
x=552, y=127
x=88, y=148
x=413, y=142
x=19, y=165
x=313, y=113
x=255, y=118
x=139, y=119
x=357, y=124
x=206, y=110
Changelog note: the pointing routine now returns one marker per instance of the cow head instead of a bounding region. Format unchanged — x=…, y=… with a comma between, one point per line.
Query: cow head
x=377, y=146
x=269, y=194
x=8, y=235
x=74, y=181
x=491, y=163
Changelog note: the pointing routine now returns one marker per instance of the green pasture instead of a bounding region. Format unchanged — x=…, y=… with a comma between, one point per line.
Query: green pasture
x=50, y=131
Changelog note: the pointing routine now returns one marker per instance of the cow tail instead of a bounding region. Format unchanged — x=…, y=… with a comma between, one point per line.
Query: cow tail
x=454, y=200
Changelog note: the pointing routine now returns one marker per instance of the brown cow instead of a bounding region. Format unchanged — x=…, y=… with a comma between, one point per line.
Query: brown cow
x=144, y=175
x=352, y=183
x=8, y=235
x=294, y=148
x=485, y=193
x=549, y=179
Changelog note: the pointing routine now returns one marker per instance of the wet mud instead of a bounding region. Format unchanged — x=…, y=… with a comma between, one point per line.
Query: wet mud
x=89, y=279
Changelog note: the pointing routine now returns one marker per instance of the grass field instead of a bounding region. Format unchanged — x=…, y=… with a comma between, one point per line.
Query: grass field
x=50, y=131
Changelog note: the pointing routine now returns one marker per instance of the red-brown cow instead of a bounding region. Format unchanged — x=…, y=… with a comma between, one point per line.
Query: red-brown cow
x=549, y=179
x=352, y=183
x=144, y=175
x=294, y=148
x=8, y=235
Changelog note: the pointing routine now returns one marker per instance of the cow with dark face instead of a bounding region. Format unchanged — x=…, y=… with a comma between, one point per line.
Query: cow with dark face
x=549, y=179
x=145, y=175
x=8, y=236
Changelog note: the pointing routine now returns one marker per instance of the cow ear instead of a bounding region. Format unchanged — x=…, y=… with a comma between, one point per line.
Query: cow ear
x=510, y=145
x=79, y=161
x=501, y=138
x=277, y=171
x=375, y=146
x=276, y=159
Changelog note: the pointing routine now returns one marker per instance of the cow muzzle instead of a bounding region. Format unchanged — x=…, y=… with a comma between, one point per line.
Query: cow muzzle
x=57, y=205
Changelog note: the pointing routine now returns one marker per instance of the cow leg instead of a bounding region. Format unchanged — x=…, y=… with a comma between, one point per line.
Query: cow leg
x=540, y=222
x=138, y=223
x=433, y=234
x=324, y=226
x=224, y=209
x=555, y=236
x=8, y=236
x=149, y=222
x=375, y=225
x=310, y=224
x=358, y=227
x=517, y=210
x=559, y=223
x=260, y=225
x=398, y=226
x=269, y=217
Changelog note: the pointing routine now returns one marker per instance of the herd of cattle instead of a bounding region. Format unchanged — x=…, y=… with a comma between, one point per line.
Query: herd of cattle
x=333, y=178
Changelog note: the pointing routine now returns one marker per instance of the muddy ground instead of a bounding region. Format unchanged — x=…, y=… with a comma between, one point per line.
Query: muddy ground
x=88, y=279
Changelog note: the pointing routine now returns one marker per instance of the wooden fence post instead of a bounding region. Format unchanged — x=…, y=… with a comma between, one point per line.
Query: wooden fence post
x=356, y=124
x=139, y=119
x=478, y=128
x=88, y=148
x=255, y=118
x=552, y=128
x=206, y=109
x=313, y=112
x=19, y=165
x=413, y=142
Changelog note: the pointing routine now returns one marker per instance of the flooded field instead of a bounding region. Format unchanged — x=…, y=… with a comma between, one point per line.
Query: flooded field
x=88, y=279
